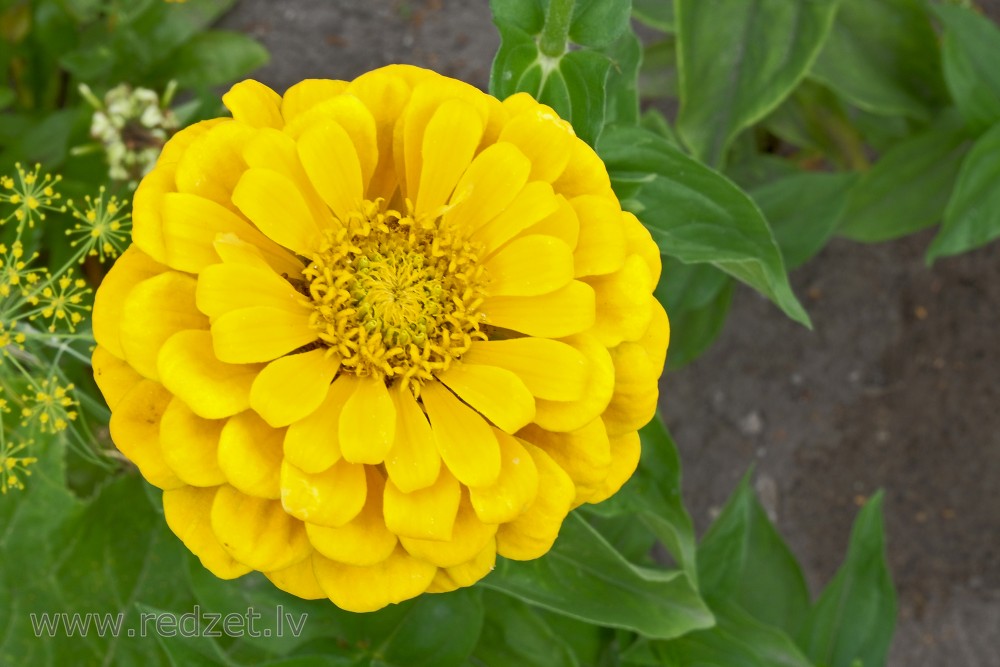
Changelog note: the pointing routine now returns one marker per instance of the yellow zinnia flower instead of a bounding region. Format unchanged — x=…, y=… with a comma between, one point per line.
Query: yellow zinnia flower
x=371, y=334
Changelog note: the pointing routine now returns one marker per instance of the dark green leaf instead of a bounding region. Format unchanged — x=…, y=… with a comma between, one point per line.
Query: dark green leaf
x=584, y=578
x=696, y=215
x=908, y=188
x=853, y=620
x=437, y=631
x=742, y=559
x=216, y=57
x=526, y=15
x=622, y=88
x=738, y=60
x=804, y=210
x=972, y=217
x=693, y=331
x=883, y=56
x=971, y=53
x=517, y=635
x=657, y=14
x=658, y=74
x=598, y=23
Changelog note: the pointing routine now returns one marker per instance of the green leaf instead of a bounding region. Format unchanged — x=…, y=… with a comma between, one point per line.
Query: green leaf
x=598, y=23
x=518, y=635
x=437, y=631
x=622, y=88
x=657, y=14
x=658, y=74
x=972, y=217
x=883, y=56
x=742, y=559
x=971, y=53
x=585, y=578
x=909, y=187
x=215, y=58
x=738, y=60
x=693, y=331
x=526, y=15
x=696, y=215
x=853, y=620
x=804, y=210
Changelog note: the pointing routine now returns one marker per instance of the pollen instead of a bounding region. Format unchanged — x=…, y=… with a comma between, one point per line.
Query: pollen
x=395, y=297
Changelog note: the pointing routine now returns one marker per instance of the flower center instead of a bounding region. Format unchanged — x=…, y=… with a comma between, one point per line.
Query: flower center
x=396, y=297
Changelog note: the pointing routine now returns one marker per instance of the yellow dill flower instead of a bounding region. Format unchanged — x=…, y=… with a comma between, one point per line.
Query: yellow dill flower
x=103, y=226
x=13, y=468
x=49, y=406
x=372, y=334
x=60, y=301
x=32, y=193
x=16, y=274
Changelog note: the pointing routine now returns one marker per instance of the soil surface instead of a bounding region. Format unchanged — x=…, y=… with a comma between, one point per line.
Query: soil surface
x=897, y=388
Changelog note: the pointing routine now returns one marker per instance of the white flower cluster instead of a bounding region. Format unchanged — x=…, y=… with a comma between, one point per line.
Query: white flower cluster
x=132, y=126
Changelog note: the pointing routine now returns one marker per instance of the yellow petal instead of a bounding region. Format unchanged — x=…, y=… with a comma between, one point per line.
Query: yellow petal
x=178, y=144
x=364, y=540
x=135, y=430
x=544, y=137
x=413, y=461
x=465, y=574
x=292, y=387
x=250, y=455
x=261, y=333
x=449, y=144
x=274, y=204
x=212, y=389
x=571, y=415
x=656, y=339
x=133, y=267
x=384, y=97
x=334, y=166
x=188, y=512
x=306, y=94
x=223, y=288
x=549, y=369
x=532, y=534
x=626, y=450
x=114, y=377
x=190, y=445
x=585, y=454
x=147, y=222
x=469, y=537
x=464, y=439
x=601, y=246
x=361, y=589
x=213, y=163
x=564, y=312
x=191, y=225
x=367, y=427
x=426, y=514
x=639, y=242
x=312, y=444
x=585, y=174
x=529, y=266
x=255, y=104
x=329, y=498
x=514, y=491
x=257, y=532
x=153, y=311
x=623, y=304
x=561, y=223
x=488, y=186
x=495, y=393
x=634, y=401
x=534, y=203
x=298, y=580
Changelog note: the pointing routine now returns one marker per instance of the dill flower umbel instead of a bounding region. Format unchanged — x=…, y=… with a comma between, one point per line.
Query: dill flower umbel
x=372, y=334
x=13, y=468
x=102, y=226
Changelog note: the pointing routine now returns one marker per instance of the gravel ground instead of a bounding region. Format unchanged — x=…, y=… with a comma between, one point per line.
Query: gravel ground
x=897, y=387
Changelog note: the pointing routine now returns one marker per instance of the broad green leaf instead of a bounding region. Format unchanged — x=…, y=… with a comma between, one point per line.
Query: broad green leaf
x=598, y=23
x=437, y=631
x=657, y=14
x=738, y=60
x=216, y=57
x=584, y=578
x=909, y=187
x=972, y=217
x=526, y=15
x=883, y=56
x=572, y=84
x=971, y=53
x=804, y=210
x=853, y=620
x=693, y=331
x=622, y=88
x=658, y=74
x=697, y=215
x=742, y=559
x=737, y=640
x=517, y=635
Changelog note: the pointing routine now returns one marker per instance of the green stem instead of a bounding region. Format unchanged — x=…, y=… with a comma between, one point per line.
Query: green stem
x=556, y=30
